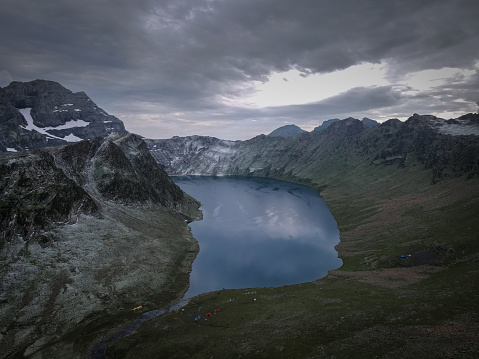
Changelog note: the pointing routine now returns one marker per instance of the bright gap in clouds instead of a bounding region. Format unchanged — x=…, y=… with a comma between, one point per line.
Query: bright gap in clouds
x=294, y=87
x=428, y=79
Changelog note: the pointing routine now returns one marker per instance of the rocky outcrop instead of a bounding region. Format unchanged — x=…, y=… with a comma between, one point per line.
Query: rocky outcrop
x=88, y=232
x=35, y=194
x=43, y=113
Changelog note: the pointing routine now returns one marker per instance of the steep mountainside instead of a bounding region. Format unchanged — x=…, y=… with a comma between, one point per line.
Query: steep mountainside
x=449, y=148
x=88, y=232
x=43, y=113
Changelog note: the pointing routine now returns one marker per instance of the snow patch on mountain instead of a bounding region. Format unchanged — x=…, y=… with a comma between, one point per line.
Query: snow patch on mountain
x=72, y=138
x=26, y=113
x=69, y=124
x=458, y=128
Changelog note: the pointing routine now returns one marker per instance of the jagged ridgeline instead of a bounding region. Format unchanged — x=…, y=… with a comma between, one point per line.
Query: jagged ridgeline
x=89, y=230
x=449, y=148
x=43, y=113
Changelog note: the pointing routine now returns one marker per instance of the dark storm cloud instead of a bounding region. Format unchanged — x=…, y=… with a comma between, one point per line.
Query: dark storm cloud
x=357, y=99
x=182, y=55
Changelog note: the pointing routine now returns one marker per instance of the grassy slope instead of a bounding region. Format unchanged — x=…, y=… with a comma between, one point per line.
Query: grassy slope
x=377, y=304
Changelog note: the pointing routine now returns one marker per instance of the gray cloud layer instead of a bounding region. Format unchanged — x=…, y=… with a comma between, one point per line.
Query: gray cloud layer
x=146, y=60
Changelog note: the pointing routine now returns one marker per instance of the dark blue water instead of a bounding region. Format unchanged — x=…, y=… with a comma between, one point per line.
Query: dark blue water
x=259, y=233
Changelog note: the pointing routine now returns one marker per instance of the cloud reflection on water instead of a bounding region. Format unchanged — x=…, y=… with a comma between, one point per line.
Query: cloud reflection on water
x=258, y=232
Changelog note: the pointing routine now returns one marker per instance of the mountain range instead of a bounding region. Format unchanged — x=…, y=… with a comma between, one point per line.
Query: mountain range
x=293, y=130
x=447, y=147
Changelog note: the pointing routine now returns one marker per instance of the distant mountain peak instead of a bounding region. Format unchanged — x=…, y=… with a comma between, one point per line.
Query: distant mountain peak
x=287, y=131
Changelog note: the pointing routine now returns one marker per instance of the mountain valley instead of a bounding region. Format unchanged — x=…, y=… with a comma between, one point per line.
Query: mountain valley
x=406, y=199
x=94, y=233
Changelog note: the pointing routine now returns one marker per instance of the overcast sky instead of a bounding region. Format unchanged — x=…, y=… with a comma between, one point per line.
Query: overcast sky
x=234, y=69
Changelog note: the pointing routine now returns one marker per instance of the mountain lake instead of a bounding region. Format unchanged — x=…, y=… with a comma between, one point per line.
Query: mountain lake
x=258, y=233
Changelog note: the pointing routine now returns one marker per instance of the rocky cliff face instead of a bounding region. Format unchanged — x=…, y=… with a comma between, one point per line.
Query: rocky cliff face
x=36, y=193
x=197, y=155
x=121, y=169
x=88, y=231
x=448, y=148
x=43, y=113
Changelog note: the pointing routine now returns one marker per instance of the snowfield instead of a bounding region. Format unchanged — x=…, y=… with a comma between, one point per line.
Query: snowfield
x=26, y=113
x=459, y=130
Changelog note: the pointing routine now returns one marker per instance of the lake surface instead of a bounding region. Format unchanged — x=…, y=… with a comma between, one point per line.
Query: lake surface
x=259, y=233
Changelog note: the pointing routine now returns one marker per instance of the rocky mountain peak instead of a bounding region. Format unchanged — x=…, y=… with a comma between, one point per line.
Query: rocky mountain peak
x=393, y=122
x=369, y=123
x=29, y=94
x=43, y=113
x=347, y=127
